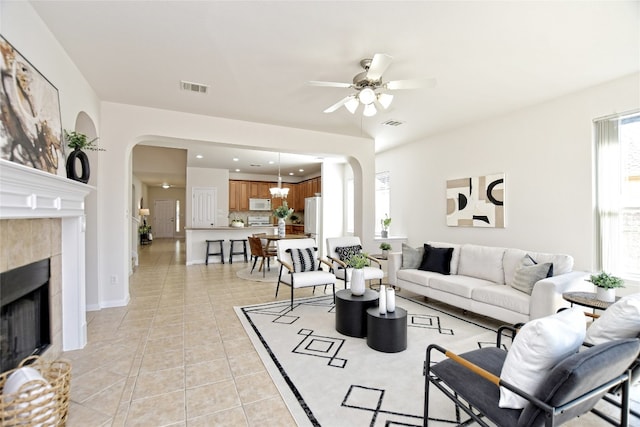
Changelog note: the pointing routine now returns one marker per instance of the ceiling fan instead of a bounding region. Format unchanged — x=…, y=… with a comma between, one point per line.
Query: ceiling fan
x=368, y=83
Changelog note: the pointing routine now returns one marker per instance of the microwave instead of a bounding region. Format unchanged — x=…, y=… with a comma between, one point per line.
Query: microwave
x=259, y=204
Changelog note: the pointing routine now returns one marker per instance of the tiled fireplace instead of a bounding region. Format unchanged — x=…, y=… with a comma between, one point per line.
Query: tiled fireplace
x=42, y=218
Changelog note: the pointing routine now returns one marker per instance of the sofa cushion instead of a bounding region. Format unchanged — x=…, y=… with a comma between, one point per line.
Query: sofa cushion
x=529, y=272
x=540, y=344
x=502, y=296
x=482, y=262
x=437, y=260
x=411, y=257
x=455, y=256
x=562, y=264
x=457, y=285
x=416, y=276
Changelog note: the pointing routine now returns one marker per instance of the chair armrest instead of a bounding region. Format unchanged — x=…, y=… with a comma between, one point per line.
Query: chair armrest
x=286, y=265
x=462, y=361
x=324, y=261
x=338, y=261
x=372, y=259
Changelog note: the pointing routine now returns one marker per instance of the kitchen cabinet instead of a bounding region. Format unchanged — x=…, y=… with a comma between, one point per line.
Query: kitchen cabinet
x=259, y=189
x=238, y=195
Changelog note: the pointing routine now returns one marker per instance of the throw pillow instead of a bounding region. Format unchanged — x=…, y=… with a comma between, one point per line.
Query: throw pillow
x=529, y=272
x=437, y=260
x=621, y=320
x=346, y=252
x=303, y=259
x=536, y=349
x=411, y=257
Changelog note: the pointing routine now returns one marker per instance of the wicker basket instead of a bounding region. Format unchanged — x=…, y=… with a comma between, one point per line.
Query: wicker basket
x=37, y=403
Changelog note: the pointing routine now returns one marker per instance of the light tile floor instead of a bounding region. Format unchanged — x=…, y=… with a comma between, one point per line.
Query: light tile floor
x=177, y=355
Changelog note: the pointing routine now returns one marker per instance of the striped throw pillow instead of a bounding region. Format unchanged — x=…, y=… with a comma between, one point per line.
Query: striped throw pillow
x=303, y=259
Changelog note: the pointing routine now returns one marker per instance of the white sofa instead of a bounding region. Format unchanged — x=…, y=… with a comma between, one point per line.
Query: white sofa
x=481, y=279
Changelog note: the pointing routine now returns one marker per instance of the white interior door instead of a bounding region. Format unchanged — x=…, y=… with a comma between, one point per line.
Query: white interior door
x=203, y=207
x=164, y=216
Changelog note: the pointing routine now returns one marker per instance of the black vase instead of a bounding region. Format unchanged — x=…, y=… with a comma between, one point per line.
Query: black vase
x=72, y=173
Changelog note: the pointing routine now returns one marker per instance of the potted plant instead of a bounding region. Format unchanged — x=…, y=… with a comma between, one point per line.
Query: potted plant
x=386, y=221
x=282, y=212
x=79, y=142
x=236, y=221
x=145, y=234
x=357, y=262
x=606, y=285
x=386, y=247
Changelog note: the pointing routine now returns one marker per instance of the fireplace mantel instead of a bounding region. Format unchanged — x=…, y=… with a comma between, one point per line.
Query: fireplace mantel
x=31, y=193
x=27, y=193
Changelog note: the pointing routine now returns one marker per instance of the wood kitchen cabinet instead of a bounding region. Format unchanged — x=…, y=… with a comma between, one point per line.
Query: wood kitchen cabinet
x=239, y=195
x=259, y=189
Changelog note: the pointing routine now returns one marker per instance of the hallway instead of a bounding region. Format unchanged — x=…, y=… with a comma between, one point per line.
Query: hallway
x=177, y=355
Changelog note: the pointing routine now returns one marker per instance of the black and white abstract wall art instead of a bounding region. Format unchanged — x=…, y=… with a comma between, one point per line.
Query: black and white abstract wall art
x=476, y=201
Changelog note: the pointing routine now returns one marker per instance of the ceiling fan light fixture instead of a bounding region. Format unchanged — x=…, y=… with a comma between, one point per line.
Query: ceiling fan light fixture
x=369, y=110
x=352, y=105
x=385, y=100
x=367, y=96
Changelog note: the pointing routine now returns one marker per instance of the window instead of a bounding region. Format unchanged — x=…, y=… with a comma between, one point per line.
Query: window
x=618, y=194
x=177, y=216
x=383, y=203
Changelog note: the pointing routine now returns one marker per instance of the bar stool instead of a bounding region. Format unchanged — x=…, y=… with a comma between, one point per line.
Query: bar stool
x=243, y=252
x=208, y=254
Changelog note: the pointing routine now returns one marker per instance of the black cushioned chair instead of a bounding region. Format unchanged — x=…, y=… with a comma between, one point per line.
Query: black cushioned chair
x=572, y=388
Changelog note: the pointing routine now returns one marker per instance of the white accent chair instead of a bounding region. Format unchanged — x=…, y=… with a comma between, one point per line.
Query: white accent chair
x=339, y=267
x=290, y=273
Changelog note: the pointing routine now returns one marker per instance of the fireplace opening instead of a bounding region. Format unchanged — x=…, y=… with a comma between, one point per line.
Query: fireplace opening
x=24, y=313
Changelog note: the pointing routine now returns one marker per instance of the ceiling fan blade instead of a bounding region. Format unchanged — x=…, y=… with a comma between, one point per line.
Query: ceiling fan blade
x=379, y=65
x=339, y=104
x=329, y=84
x=411, y=84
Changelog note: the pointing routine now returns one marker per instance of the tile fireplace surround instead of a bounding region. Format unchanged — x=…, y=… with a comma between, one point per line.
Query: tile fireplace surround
x=42, y=216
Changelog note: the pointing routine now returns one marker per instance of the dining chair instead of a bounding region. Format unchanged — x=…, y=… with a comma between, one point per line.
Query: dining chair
x=258, y=251
x=340, y=249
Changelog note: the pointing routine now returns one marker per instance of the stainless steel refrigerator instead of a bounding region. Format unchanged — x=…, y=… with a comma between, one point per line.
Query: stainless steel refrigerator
x=313, y=215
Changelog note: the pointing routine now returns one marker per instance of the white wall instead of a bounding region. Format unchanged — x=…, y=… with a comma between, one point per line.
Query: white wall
x=21, y=26
x=545, y=152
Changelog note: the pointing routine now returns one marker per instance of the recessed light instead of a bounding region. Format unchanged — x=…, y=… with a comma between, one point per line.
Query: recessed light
x=199, y=156
x=271, y=162
x=235, y=159
x=300, y=170
x=237, y=170
x=290, y=173
x=165, y=186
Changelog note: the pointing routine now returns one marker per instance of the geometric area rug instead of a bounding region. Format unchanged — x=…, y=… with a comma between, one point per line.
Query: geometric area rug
x=330, y=379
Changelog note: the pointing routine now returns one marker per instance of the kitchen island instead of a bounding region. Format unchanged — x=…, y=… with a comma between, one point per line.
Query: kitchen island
x=196, y=237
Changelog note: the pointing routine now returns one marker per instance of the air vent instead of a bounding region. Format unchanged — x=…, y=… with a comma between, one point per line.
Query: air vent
x=392, y=123
x=194, y=87
x=255, y=165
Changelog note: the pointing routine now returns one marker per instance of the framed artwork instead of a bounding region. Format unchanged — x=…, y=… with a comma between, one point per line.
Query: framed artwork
x=30, y=123
x=476, y=201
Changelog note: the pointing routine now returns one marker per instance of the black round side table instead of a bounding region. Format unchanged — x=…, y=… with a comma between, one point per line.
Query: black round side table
x=387, y=332
x=351, y=312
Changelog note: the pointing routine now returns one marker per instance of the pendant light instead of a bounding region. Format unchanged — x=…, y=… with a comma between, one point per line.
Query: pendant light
x=278, y=191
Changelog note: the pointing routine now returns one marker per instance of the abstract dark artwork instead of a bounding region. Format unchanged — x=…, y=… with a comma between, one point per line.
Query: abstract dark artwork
x=476, y=201
x=30, y=124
